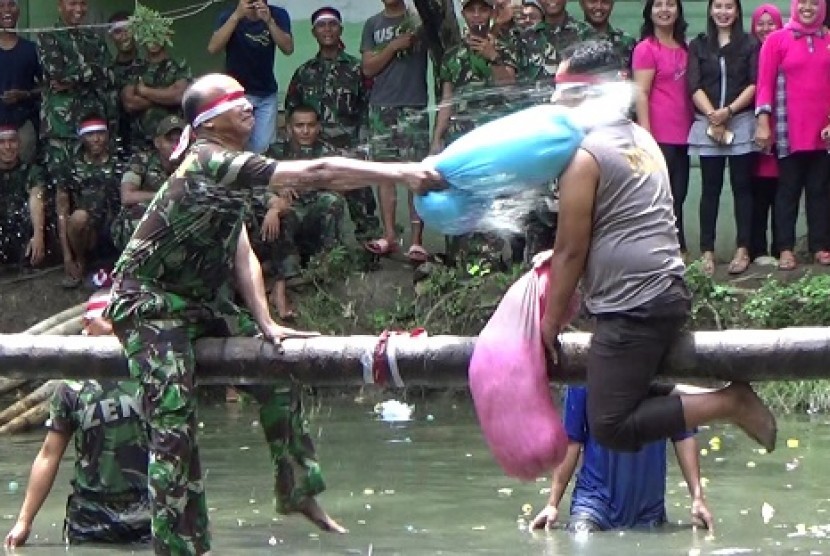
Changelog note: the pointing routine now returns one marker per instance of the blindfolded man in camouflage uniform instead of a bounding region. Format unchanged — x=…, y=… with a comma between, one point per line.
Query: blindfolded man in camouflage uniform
x=191, y=244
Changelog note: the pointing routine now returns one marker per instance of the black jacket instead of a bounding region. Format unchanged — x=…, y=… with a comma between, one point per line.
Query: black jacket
x=740, y=67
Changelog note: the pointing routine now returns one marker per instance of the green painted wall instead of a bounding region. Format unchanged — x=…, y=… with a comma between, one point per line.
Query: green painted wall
x=193, y=33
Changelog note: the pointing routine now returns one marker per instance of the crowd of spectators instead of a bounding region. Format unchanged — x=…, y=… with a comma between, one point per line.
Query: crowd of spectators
x=87, y=128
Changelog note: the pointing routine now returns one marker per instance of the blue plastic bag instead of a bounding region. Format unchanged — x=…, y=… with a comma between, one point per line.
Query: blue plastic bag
x=520, y=152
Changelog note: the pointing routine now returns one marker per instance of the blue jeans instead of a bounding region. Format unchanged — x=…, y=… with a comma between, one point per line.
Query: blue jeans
x=265, y=122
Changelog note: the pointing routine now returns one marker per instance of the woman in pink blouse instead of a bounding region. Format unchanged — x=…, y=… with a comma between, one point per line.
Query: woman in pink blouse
x=794, y=88
x=659, y=64
x=765, y=19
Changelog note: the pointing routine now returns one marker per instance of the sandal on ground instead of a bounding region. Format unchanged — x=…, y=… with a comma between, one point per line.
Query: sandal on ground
x=417, y=254
x=787, y=262
x=381, y=246
x=739, y=264
x=708, y=264
x=70, y=282
x=823, y=258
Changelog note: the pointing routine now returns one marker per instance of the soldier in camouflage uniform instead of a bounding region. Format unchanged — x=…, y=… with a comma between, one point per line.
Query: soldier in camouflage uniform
x=146, y=172
x=78, y=80
x=190, y=247
x=598, y=28
x=126, y=70
x=88, y=200
x=109, y=501
x=22, y=227
x=288, y=231
x=541, y=46
x=157, y=92
x=473, y=76
x=332, y=83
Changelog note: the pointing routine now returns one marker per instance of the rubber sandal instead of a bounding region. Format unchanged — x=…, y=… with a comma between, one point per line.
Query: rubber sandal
x=787, y=262
x=417, y=254
x=381, y=247
x=823, y=258
x=738, y=265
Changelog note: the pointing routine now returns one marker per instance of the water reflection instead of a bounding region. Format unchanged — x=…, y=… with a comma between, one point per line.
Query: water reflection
x=430, y=487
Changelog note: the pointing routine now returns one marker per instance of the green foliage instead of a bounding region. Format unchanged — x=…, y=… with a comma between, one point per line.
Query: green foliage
x=149, y=27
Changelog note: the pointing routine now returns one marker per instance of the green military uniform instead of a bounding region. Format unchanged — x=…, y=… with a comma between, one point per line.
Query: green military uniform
x=145, y=170
x=541, y=48
x=336, y=90
x=78, y=58
x=95, y=189
x=164, y=298
x=158, y=75
x=15, y=222
x=623, y=42
x=476, y=100
x=126, y=73
x=313, y=225
x=109, y=500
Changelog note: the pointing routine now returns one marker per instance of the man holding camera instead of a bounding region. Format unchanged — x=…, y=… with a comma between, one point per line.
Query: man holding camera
x=250, y=34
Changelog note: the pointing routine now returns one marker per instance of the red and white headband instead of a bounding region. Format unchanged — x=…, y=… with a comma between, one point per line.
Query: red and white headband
x=325, y=16
x=91, y=126
x=8, y=132
x=235, y=99
x=118, y=25
x=96, y=305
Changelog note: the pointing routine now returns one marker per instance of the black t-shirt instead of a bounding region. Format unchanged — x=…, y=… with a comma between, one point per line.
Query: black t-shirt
x=20, y=70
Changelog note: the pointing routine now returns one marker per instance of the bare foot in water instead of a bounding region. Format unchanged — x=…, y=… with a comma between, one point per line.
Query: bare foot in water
x=752, y=416
x=318, y=516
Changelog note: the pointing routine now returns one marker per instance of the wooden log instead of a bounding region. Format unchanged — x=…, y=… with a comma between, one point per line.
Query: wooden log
x=38, y=396
x=68, y=315
x=29, y=420
x=747, y=355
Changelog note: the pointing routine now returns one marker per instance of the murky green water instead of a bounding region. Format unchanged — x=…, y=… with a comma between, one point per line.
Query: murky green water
x=430, y=487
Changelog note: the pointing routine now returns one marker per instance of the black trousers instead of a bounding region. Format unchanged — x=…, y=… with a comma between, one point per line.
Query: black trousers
x=626, y=409
x=740, y=176
x=763, y=205
x=677, y=162
x=808, y=172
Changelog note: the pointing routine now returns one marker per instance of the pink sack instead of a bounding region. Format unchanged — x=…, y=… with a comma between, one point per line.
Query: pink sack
x=509, y=381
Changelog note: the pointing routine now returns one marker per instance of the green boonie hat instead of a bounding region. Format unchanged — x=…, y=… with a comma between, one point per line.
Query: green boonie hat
x=490, y=3
x=169, y=124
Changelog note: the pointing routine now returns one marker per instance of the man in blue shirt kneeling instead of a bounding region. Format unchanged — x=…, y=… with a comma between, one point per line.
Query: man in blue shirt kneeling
x=618, y=490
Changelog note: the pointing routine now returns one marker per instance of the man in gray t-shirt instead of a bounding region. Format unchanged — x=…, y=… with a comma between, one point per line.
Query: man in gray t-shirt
x=616, y=233
x=394, y=56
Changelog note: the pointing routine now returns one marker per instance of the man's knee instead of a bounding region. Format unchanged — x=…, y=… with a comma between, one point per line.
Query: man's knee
x=79, y=221
x=615, y=433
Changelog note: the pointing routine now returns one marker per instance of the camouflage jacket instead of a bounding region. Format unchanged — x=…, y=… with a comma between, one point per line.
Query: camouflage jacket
x=94, y=188
x=471, y=76
x=284, y=150
x=335, y=88
x=104, y=419
x=126, y=74
x=541, y=47
x=182, y=252
x=15, y=185
x=146, y=170
x=623, y=42
x=159, y=75
x=79, y=58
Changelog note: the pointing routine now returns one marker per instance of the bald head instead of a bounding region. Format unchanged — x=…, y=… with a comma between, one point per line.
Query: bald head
x=205, y=90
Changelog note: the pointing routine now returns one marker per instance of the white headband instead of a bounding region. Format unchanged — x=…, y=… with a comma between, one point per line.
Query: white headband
x=92, y=126
x=123, y=24
x=221, y=105
x=8, y=133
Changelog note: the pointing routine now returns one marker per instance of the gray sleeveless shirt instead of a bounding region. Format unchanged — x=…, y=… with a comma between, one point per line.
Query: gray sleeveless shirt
x=634, y=254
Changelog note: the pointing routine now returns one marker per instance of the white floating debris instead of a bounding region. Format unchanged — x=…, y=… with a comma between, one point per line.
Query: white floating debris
x=368, y=491
x=430, y=418
x=791, y=465
x=361, y=522
x=750, y=464
x=694, y=551
x=505, y=491
x=393, y=411
x=767, y=512
x=314, y=535
x=389, y=491
x=273, y=541
x=201, y=424
x=255, y=423
x=244, y=448
x=13, y=486
x=479, y=528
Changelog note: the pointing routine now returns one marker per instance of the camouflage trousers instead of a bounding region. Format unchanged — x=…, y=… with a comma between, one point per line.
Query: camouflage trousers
x=313, y=225
x=398, y=133
x=108, y=520
x=160, y=355
x=56, y=156
x=362, y=207
x=122, y=229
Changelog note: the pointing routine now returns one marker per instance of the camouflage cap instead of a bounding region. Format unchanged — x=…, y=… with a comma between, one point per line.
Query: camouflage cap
x=169, y=124
x=490, y=3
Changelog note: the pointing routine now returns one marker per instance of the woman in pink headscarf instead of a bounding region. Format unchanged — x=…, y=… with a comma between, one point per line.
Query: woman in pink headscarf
x=793, y=105
x=765, y=20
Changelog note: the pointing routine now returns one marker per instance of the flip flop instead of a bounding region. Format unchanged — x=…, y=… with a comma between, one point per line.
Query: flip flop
x=739, y=265
x=787, y=262
x=417, y=254
x=381, y=246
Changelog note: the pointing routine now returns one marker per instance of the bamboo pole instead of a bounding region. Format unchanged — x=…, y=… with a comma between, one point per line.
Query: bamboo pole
x=67, y=315
x=34, y=417
x=746, y=355
x=38, y=396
